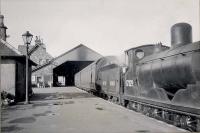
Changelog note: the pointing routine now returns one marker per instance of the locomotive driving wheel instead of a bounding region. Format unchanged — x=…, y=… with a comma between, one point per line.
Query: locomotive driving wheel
x=176, y=120
x=155, y=113
x=186, y=122
x=165, y=115
x=198, y=125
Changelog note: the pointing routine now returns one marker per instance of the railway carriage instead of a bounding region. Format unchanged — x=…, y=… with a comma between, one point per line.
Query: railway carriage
x=110, y=79
x=86, y=78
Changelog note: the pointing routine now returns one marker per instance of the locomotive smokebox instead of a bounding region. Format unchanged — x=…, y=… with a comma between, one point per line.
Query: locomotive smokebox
x=181, y=34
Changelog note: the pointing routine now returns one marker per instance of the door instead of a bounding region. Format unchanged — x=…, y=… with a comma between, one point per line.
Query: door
x=8, y=76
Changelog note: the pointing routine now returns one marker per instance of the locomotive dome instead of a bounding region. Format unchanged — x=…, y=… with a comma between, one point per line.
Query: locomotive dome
x=181, y=34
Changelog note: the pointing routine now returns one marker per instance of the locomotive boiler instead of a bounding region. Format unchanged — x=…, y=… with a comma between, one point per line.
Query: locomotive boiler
x=176, y=70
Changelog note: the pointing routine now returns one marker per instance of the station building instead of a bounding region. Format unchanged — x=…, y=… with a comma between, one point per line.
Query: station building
x=13, y=71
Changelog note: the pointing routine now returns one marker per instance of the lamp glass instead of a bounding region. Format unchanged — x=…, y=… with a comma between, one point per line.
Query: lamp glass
x=27, y=37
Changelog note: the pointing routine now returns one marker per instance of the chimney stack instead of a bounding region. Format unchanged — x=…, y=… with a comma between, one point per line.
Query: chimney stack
x=3, y=28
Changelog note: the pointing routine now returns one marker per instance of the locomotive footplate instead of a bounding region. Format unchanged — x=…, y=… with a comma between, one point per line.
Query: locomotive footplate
x=165, y=106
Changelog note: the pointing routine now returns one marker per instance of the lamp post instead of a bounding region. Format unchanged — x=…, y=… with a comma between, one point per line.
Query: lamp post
x=27, y=37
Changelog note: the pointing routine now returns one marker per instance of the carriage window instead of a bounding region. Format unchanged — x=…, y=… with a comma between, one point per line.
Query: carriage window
x=130, y=57
x=139, y=53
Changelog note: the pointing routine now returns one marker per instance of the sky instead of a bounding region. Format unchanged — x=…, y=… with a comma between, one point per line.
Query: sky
x=106, y=26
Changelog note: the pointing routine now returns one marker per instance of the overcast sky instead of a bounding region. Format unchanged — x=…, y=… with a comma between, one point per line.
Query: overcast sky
x=107, y=26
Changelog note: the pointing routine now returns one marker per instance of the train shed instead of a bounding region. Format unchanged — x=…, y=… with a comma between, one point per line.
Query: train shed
x=61, y=70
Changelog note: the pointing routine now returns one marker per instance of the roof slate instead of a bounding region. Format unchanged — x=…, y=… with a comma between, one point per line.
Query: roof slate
x=8, y=50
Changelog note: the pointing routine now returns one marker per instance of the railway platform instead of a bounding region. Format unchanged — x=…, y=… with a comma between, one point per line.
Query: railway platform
x=71, y=110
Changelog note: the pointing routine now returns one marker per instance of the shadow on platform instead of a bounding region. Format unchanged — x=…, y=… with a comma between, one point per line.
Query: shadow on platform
x=57, y=96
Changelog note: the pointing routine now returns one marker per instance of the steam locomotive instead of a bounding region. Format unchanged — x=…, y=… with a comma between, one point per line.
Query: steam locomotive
x=159, y=81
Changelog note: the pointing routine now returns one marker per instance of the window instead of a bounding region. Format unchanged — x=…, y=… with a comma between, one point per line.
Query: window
x=33, y=78
x=139, y=53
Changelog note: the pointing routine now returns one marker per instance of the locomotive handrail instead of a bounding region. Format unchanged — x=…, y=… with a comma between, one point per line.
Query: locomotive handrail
x=163, y=58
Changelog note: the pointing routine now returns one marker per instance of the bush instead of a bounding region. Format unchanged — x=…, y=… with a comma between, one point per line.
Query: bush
x=7, y=98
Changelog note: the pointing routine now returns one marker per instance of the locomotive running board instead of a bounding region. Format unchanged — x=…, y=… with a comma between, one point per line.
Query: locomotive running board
x=171, y=107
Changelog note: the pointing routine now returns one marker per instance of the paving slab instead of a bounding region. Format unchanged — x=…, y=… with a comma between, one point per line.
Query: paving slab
x=71, y=110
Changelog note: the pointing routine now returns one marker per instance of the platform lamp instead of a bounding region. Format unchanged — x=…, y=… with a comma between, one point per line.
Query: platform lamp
x=27, y=38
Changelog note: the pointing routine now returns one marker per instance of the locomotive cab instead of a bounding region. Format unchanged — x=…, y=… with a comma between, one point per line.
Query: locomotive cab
x=134, y=56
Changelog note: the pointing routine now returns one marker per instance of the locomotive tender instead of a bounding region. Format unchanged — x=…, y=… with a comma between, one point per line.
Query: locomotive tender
x=159, y=81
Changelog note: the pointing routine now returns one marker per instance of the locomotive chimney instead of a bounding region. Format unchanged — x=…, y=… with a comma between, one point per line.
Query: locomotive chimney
x=181, y=34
